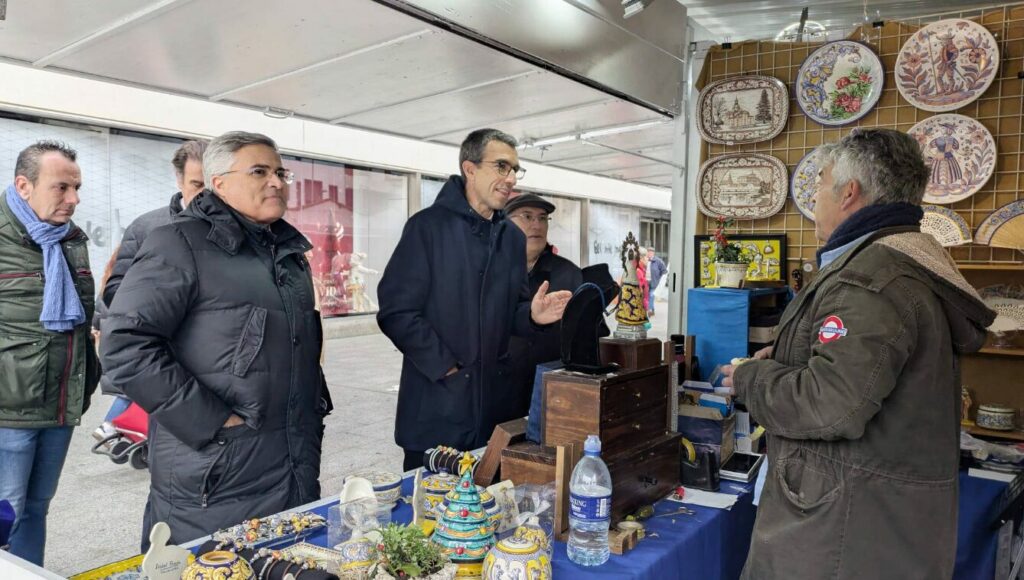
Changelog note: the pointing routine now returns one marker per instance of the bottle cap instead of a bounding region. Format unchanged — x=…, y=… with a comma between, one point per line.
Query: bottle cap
x=592, y=446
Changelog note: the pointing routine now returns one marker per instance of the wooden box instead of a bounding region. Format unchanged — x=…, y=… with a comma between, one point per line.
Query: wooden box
x=528, y=462
x=631, y=354
x=626, y=409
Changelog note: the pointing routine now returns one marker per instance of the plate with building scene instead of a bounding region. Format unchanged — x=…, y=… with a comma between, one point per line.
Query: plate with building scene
x=745, y=109
x=743, y=186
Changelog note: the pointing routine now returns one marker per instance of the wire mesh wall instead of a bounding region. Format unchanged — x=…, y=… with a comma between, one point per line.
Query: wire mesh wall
x=999, y=110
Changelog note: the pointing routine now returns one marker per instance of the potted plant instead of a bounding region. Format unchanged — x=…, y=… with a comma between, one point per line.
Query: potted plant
x=731, y=260
x=405, y=553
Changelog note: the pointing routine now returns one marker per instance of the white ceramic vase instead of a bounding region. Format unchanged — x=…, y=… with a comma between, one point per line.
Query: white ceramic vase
x=730, y=274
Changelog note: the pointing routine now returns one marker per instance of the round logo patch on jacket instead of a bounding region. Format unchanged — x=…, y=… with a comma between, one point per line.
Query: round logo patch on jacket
x=832, y=329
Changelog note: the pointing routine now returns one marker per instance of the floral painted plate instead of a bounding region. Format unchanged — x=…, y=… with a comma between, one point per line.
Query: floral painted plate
x=960, y=152
x=839, y=83
x=805, y=183
x=947, y=65
x=945, y=225
x=745, y=109
x=744, y=186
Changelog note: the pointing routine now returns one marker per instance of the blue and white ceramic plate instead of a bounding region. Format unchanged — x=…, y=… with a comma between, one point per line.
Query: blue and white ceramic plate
x=839, y=83
x=805, y=183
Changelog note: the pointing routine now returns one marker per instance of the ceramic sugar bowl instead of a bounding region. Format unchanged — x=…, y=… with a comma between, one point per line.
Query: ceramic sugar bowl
x=517, y=558
x=218, y=565
x=357, y=556
x=435, y=487
x=387, y=486
x=995, y=417
x=533, y=532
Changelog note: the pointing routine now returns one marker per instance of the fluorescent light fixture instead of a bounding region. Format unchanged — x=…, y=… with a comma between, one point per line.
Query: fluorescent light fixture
x=631, y=8
x=595, y=134
x=528, y=144
x=277, y=113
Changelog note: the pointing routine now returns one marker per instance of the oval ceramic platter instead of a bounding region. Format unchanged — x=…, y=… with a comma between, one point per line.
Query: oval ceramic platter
x=1003, y=228
x=805, y=183
x=744, y=186
x=745, y=109
x=945, y=225
x=839, y=83
x=947, y=65
x=960, y=152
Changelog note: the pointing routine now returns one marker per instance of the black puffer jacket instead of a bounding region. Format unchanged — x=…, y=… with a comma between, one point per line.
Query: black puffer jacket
x=134, y=235
x=216, y=317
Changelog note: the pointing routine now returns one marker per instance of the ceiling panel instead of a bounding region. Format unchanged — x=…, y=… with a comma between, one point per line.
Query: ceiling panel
x=210, y=47
x=523, y=96
x=644, y=172
x=392, y=74
x=31, y=31
x=612, y=161
x=656, y=136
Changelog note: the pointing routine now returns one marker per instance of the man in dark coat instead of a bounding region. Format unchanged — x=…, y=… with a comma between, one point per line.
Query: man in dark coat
x=532, y=213
x=214, y=333
x=452, y=294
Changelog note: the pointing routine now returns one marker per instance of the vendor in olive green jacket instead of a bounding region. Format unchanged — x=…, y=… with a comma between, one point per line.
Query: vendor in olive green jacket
x=860, y=395
x=48, y=365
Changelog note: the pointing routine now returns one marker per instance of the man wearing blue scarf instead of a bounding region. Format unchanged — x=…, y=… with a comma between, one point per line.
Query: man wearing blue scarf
x=47, y=359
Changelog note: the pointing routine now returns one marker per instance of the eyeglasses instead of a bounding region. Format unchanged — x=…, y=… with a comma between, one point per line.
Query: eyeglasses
x=530, y=218
x=504, y=167
x=264, y=173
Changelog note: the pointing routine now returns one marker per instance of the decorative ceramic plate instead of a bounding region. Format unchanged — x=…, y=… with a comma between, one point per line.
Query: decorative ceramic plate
x=746, y=109
x=805, y=183
x=947, y=65
x=961, y=154
x=945, y=225
x=744, y=186
x=839, y=83
x=1003, y=228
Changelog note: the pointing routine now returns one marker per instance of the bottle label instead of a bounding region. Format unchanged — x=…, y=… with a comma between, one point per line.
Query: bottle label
x=590, y=508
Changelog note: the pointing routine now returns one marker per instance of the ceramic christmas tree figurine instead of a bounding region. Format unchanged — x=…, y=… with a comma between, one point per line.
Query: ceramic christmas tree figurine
x=632, y=312
x=464, y=530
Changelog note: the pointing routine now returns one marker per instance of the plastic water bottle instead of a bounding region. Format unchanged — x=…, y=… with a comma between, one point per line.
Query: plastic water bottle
x=590, y=507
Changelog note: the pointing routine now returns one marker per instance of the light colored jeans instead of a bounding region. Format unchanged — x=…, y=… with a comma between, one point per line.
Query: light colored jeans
x=31, y=461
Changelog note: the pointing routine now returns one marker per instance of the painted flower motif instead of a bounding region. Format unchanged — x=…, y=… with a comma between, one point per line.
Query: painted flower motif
x=865, y=78
x=848, y=103
x=975, y=55
x=913, y=59
x=843, y=82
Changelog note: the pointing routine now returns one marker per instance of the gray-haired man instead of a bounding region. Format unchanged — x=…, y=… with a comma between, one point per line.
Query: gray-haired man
x=860, y=395
x=214, y=333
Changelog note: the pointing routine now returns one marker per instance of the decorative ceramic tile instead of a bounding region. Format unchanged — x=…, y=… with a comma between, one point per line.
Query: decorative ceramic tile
x=947, y=65
x=945, y=225
x=745, y=109
x=1003, y=228
x=839, y=83
x=805, y=183
x=961, y=154
x=742, y=185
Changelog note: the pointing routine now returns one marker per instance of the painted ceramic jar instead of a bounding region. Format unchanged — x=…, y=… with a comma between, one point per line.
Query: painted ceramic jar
x=218, y=565
x=387, y=486
x=435, y=487
x=995, y=417
x=533, y=532
x=357, y=555
x=517, y=558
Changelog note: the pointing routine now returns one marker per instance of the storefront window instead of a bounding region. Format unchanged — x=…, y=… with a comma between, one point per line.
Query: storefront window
x=429, y=188
x=564, y=230
x=607, y=228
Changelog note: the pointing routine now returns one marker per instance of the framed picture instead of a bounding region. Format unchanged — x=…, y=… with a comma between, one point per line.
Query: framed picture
x=768, y=253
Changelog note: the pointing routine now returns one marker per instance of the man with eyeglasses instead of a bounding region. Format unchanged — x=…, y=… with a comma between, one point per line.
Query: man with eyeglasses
x=532, y=214
x=214, y=333
x=453, y=293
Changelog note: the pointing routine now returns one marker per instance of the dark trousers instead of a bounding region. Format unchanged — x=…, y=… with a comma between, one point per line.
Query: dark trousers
x=413, y=459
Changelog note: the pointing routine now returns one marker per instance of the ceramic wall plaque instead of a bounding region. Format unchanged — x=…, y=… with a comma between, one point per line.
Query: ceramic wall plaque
x=945, y=225
x=744, y=186
x=1003, y=228
x=839, y=83
x=745, y=109
x=961, y=154
x=805, y=183
x=947, y=65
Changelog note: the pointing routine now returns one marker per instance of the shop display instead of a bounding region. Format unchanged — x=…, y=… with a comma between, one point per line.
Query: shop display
x=947, y=65
x=464, y=530
x=804, y=184
x=387, y=486
x=742, y=186
x=766, y=254
x=995, y=417
x=1003, y=228
x=839, y=83
x=631, y=314
x=518, y=558
x=745, y=109
x=961, y=154
x=945, y=225
x=218, y=565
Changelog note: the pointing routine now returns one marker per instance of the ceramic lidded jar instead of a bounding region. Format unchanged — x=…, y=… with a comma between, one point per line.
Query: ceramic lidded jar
x=357, y=555
x=435, y=488
x=517, y=558
x=533, y=532
x=995, y=417
x=218, y=565
x=387, y=486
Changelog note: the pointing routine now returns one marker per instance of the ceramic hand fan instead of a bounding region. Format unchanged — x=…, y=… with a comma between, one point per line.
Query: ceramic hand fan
x=1004, y=228
x=945, y=225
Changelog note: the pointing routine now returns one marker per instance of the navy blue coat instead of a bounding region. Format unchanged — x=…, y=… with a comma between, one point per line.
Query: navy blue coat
x=453, y=293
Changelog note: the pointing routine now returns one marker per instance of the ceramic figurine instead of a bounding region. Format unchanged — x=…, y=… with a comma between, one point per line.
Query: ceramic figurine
x=218, y=565
x=519, y=558
x=464, y=529
x=632, y=312
x=533, y=532
x=965, y=406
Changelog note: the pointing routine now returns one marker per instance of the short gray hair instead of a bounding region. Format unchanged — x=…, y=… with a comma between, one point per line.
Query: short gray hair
x=28, y=160
x=220, y=153
x=887, y=164
x=474, y=144
x=193, y=150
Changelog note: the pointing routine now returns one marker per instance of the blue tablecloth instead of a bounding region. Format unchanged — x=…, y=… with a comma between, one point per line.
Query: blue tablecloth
x=976, y=540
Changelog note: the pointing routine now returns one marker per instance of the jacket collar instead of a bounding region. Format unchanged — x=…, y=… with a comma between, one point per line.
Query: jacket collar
x=228, y=228
x=453, y=198
x=176, y=206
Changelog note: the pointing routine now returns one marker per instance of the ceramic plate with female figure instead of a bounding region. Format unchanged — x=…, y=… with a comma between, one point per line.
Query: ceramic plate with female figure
x=961, y=154
x=839, y=83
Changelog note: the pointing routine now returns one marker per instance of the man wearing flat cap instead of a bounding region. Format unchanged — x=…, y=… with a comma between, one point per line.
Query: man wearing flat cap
x=532, y=214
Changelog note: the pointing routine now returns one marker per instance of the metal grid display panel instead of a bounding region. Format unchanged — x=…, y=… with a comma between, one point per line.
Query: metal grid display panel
x=999, y=110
